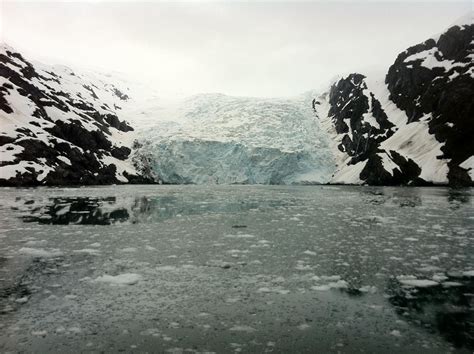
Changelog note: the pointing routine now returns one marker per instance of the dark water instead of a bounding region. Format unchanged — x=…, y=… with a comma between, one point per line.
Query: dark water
x=236, y=269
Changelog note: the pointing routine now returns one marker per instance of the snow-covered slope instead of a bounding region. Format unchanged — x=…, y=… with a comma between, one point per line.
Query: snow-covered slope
x=413, y=125
x=59, y=126
x=214, y=138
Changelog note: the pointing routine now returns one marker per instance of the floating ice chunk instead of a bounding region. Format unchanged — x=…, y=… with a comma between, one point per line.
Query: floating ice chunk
x=468, y=273
x=310, y=253
x=277, y=290
x=412, y=239
x=188, y=266
x=449, y=284
x=129, y=249
x=340, y=284
x=63, y=210
x=121, y=279
x=95, y=244
x=155, y=332
x=39, y=333
x=166, y=268
x=419, y=283
x=321, y=287
x=242, y=328
x=264, y=290
x=173, y=325
x=279, y=279
x=429, y=269
x=382, y=219
x=74, y=330
x=396, y=333
x=335, y=282
x=368, y=289
x=331, y=277
x=22, y=300
x=301, y=266
x=90, y=251
x=256, y=262
x=240, y=236
x=439, y=277
x=36, y=243
x=40, y=252
x=303, y=326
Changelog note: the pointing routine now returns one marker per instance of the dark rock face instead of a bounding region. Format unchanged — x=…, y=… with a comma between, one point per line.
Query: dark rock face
x=55, y=130
x=350, y=100
x=440, y=87
x=360, y=119
x=433, y=83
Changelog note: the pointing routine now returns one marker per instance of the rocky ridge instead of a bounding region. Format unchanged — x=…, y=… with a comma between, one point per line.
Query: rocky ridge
x=411, y=126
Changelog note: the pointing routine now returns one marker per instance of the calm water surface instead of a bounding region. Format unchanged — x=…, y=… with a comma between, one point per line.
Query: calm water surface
x=236, y=269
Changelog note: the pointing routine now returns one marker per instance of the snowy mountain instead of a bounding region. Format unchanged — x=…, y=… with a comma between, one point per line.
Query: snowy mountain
x=214, y=138
x=413, y=125
x=61, y=127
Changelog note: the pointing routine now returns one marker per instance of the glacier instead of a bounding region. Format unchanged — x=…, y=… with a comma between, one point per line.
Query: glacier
x=221, y=139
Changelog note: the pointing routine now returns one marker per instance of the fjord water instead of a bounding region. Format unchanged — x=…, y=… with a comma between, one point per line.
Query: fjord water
x=236, y=268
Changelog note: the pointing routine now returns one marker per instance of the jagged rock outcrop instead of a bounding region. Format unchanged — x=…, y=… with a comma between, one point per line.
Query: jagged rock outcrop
x=59, y=127
x=412, y=126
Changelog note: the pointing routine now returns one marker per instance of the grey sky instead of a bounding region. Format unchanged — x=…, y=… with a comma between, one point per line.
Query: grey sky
x=269, y=48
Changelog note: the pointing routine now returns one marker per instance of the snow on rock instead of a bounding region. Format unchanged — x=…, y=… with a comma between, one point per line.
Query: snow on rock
x=412, y=125
x=469, y=166
x=59, y=126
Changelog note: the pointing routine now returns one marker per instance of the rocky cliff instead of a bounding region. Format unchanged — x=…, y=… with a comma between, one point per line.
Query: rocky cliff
x=413, y=125
x=60, y=127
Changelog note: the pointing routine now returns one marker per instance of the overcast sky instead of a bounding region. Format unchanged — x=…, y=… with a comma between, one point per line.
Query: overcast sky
x=268, y=48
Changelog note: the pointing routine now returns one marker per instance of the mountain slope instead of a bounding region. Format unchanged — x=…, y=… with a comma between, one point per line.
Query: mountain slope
x=60, y=127
x=412, y=126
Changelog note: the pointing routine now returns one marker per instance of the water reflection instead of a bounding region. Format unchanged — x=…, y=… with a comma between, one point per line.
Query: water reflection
x=110, y=210
x=445, y=309
x=457, y=197
x=78, y=210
